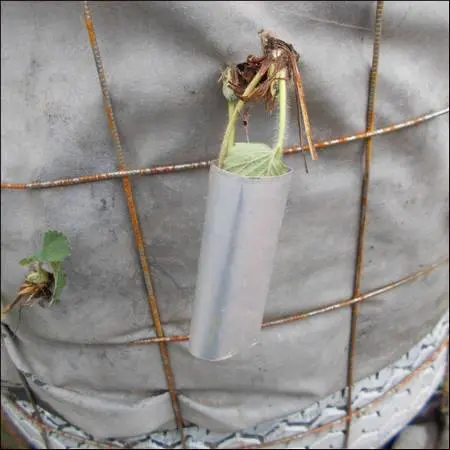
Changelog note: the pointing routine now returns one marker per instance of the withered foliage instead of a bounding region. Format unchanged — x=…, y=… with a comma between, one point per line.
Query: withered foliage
x=277, y=57
x=30, y=293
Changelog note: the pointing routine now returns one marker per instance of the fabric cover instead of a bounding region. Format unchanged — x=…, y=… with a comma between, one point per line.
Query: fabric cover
x=163, y=60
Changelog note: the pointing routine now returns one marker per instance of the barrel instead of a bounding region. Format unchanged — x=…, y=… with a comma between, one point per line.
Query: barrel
x=111, y=116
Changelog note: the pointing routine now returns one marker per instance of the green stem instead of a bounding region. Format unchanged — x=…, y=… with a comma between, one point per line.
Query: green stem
x=229, y=131
x=282, y=118
x=231, y=106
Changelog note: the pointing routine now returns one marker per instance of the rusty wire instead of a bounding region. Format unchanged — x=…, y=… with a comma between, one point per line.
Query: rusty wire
x=315, y=312
x=286, y=440
x=151, y=297
x=355, y=309
x=173, y=168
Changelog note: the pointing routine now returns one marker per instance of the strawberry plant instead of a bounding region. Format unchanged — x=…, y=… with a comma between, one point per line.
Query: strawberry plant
x=262, y=78
x=252, y=159
x=46, y=279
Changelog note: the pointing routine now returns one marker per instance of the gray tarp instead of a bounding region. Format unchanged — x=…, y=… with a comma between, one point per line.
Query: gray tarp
x=162, y=61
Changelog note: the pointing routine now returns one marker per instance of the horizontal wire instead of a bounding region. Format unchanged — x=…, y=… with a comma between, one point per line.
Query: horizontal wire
x=316, y=311
x=173, y=168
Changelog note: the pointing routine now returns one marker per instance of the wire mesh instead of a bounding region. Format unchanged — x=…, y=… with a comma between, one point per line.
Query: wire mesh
x=354, y=302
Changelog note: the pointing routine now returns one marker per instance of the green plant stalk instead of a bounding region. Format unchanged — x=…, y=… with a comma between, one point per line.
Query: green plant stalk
x=230, y=130
x=282, y=118
x=231, y=107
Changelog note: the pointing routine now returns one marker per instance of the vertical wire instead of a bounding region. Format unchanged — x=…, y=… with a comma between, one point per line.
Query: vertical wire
x=151, y=297
x=355, y=309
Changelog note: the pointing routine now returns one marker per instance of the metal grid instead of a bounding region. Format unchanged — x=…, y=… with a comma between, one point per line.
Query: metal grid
x=354, y=302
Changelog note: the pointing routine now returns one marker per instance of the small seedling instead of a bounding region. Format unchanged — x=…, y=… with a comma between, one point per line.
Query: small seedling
x=46, y=278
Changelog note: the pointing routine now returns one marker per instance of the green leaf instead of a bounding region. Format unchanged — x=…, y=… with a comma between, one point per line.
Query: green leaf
x=28, y=261
x=254, y=160
x=55, y=247
x=60, y=281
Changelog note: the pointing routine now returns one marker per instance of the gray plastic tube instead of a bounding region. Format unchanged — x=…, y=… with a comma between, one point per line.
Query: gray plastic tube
x=240, y=236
